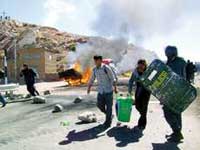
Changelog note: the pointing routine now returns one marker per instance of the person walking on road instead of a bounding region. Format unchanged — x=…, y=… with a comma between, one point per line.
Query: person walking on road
x=178, y=65
x=142, y=95
x=2, y=100
x=106, y=84
x=29, y=78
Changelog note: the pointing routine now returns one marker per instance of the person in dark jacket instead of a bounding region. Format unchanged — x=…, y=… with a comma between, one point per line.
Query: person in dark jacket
x=190, y=71
x=2, y=100
x=29, y=78
x=178, y=65
x=142, y=95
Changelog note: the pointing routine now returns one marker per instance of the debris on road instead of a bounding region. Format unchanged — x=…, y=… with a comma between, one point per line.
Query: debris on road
x=64, y=123
x=57, y=108
x=47, y=92
x=39, y=100
x=88, y=117
x=78, y=100
x=27, y=96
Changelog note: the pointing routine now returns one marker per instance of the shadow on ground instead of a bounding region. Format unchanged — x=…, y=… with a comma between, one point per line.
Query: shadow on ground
x=85, y=135
x=124, y=135
x=83, y=122
x=165, y=146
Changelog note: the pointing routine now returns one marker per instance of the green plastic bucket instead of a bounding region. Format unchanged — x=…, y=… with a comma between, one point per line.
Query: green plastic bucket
x=124, y=108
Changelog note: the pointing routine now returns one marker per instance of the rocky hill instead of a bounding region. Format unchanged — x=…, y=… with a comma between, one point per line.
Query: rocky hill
x=30, y=35
x=33, y=36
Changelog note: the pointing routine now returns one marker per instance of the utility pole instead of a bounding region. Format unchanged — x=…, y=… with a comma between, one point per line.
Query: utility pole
x=4, y=17
x=5, y=67
x=15, y=58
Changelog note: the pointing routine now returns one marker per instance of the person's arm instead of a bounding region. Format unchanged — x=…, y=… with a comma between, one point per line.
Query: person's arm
x=195, y=68
x=112, y=78
x=130, y=84
x=33, y=72
x=184, y=73
x=91, y=82
x=21, y=73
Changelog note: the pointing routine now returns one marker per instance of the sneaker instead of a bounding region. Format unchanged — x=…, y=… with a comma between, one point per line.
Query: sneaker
x=176, y=137
x=106, y=125
x=168, y=136
x=119, y=124
x=3, y=105
x=137, y=130
x=141, y=127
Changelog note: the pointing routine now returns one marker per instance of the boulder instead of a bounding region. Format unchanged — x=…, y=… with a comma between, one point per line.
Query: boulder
x=47, y=92
x=88, y=117
x=57, y=108
x=39, y=100
x=78, y=100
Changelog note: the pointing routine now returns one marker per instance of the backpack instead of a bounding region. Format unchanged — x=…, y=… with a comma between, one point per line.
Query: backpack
x=113, y=69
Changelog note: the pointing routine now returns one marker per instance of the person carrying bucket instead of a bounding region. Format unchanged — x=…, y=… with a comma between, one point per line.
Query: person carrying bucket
x=106, y=84
x=142, y=96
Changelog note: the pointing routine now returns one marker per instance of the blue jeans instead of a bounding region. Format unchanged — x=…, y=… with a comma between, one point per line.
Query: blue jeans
x=105, y=103
x=173, y=119
x=2, y=100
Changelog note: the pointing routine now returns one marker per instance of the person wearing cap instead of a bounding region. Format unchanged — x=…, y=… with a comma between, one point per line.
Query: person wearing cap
x=178, y=65
x=29, y=78
x=142, y=96
x=106, y=85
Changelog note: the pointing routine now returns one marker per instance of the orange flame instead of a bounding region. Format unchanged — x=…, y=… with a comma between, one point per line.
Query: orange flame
x=85, y=75
x=77, y=66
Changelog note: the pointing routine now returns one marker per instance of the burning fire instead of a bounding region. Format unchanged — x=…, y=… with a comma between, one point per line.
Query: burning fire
x=82, y=77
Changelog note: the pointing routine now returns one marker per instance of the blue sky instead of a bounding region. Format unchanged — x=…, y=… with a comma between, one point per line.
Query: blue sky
x=78, y=16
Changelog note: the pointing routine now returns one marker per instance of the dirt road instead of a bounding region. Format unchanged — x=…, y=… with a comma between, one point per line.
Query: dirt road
x=27, y=126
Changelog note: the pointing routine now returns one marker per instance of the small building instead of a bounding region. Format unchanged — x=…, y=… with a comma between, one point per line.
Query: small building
x=43, y=62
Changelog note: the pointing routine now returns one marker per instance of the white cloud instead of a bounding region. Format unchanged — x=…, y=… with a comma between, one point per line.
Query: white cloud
x=55, y=10
x=186, y=38
x=70, y=15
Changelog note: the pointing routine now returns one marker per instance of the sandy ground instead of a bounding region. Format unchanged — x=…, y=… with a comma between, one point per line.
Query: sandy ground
x=27, y=126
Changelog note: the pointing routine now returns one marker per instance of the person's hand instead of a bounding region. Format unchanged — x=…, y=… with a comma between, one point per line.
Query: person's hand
x=115, y=90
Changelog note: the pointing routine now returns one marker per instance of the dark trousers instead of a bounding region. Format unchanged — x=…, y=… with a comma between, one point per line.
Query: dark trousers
x=173, y=119
x=32, y=90
x=104, y=103
x=142, y=106
x=2, y=100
